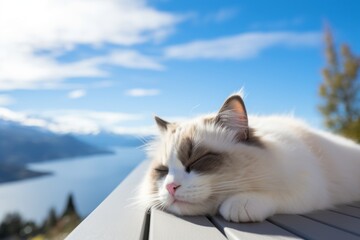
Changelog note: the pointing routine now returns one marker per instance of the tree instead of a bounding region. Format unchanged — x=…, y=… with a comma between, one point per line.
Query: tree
x=70, y=218
x=340, y=90
x=14, y=226
x=51, y=220
x=70, y=208
x=11, y=225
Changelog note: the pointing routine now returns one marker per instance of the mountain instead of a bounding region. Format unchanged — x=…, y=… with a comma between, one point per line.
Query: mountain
x=11, y=172
x=107, y=140
x=20, y=145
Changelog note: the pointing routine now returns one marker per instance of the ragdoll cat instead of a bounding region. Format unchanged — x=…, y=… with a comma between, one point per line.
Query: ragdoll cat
x=249, y=168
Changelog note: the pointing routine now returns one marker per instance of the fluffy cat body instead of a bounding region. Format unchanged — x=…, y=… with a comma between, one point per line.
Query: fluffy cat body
x=249, y=168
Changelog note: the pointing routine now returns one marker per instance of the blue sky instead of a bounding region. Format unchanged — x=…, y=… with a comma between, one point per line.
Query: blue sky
x=86, y=66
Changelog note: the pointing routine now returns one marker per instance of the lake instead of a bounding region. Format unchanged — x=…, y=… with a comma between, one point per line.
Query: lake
x=90, y=179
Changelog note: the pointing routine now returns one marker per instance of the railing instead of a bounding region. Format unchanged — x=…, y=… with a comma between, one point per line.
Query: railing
x=118, y=218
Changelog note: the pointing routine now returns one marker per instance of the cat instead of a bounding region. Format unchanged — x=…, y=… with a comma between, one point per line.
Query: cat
x=248, y=168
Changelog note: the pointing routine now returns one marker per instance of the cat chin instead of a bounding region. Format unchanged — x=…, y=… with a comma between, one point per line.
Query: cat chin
x=177, y=208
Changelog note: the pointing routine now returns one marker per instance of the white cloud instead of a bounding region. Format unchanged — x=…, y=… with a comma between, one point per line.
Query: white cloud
x=132, y=59
x=82, y=85
x=22, y=118
x=222, y=15
x=140, y=92
x=62, y=24
x=77, y=94
x=6, y=100
x=76, y=121
x=34, y=33
x=85, y=121
x=139, y=130
x=241, y=46
x=24, y=70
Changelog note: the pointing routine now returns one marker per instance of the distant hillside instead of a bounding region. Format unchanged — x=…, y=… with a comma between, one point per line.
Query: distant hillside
x=11, y=172
x=113, y=140
x=22, y=144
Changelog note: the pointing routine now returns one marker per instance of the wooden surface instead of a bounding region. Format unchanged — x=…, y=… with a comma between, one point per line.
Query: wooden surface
x=348, y=210
x=164, y=226
x=310, y=229
x=252, y=231
x=116, y=218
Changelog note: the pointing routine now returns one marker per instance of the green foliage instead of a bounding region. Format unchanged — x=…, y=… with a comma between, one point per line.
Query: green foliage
x=340, y=90
x=51, y=221
x=13, y=226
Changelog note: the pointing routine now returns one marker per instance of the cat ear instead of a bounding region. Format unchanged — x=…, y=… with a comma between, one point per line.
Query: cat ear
x=233, y=116
x=162, y=124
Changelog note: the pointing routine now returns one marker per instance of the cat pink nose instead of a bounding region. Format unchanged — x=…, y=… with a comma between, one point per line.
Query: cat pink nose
x=171, y=187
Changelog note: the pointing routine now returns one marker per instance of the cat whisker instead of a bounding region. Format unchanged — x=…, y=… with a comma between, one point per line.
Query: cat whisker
x=145, y=200
x=141, y=203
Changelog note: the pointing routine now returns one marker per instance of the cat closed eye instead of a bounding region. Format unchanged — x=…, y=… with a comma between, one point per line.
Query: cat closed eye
x=162, y=169
x=204, y=163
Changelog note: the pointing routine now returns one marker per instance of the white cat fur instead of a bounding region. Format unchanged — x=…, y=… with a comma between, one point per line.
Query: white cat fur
x=297, y=169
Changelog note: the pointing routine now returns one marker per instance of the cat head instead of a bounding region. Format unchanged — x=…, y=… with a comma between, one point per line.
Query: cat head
x=193, y=161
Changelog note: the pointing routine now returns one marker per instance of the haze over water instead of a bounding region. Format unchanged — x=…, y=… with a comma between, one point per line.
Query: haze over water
x=90, y=179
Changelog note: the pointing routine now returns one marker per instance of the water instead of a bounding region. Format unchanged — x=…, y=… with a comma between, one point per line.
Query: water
x=90, y=179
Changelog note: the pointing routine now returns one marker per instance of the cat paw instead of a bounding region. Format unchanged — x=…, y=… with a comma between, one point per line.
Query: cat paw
x=246, y=208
